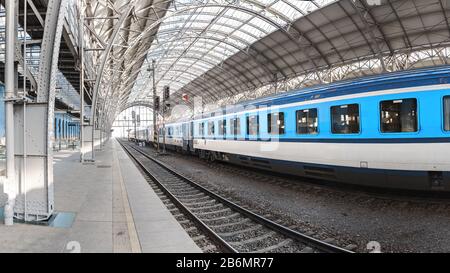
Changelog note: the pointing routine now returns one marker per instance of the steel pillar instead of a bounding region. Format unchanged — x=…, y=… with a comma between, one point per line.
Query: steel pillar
x=155, y=126
x=10, y=183
x=81, y=55
x=101, y=68
x=35, y=200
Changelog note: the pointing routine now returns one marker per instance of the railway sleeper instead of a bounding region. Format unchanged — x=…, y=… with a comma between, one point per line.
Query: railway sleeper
x=254, y=239
x=194, y=204
x=187, y=200
x=214, y=212
x=271, y=248
x=221, y=218
x=218, y=205
x=238, y=232
x=227, y=225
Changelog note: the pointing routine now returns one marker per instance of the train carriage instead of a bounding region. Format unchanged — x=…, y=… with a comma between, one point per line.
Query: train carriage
x=390, y=130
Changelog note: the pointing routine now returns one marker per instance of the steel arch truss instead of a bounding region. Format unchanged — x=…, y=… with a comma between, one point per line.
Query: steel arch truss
x=342, y=40
x=226, y=51
x=207, y=33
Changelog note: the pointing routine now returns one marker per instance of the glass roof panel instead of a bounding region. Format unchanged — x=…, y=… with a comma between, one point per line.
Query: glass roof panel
x=286, y=10
x=197, y=35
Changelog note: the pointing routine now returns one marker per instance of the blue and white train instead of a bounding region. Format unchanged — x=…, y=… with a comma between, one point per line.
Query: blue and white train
x=390, y=130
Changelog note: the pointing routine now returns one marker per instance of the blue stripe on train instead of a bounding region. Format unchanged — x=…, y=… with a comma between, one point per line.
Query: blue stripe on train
x=337, y=140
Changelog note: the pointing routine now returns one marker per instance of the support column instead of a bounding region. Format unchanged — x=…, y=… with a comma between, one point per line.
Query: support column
x=10, y=185
x=81, y=55
x=40, y=118
x=101, y=68
x=155, y=127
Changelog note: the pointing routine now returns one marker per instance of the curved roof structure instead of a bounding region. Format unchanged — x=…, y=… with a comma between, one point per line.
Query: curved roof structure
x=197, y=36
x=346, y=32
x=228, y=50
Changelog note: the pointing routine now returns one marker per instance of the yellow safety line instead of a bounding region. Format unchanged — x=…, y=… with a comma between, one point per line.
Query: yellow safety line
x=132, y=232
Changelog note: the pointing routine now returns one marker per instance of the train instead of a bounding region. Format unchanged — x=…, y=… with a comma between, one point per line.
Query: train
x=388, y=131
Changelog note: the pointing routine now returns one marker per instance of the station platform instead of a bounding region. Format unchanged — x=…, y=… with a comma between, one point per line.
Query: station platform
x=105, y=207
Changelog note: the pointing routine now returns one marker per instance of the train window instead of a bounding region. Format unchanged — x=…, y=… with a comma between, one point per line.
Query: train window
x=252, y=125
x=399, y=116
x=235, y=126
x=307, y=122
x=201, y=129
x=222, y=127
x=447, y=113
x=345, y=119
x=211, y=128
x=275, y=123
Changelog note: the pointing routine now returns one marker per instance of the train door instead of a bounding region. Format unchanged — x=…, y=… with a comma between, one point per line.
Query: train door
x=191, y=136
x=185, y=133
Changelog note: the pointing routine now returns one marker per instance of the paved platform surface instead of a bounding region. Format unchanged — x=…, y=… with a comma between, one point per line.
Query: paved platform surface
x=105, y=207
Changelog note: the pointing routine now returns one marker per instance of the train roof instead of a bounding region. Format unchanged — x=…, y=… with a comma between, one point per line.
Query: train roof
x=392, y=80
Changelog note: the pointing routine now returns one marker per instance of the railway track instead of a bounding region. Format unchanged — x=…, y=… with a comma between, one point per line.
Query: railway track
x=232, y=227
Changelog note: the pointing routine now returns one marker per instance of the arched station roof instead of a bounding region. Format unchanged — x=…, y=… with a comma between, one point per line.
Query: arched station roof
x=227, y=50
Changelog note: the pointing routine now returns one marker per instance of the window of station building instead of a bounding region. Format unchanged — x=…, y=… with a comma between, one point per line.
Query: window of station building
x=235, y=126
x=211, y=128
x=222, y=127
x=307, y=122
x=201, y=129
x=399, y=116
x=447, y=113
x=275, y=123
x=252, y=125
x=345, y=119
